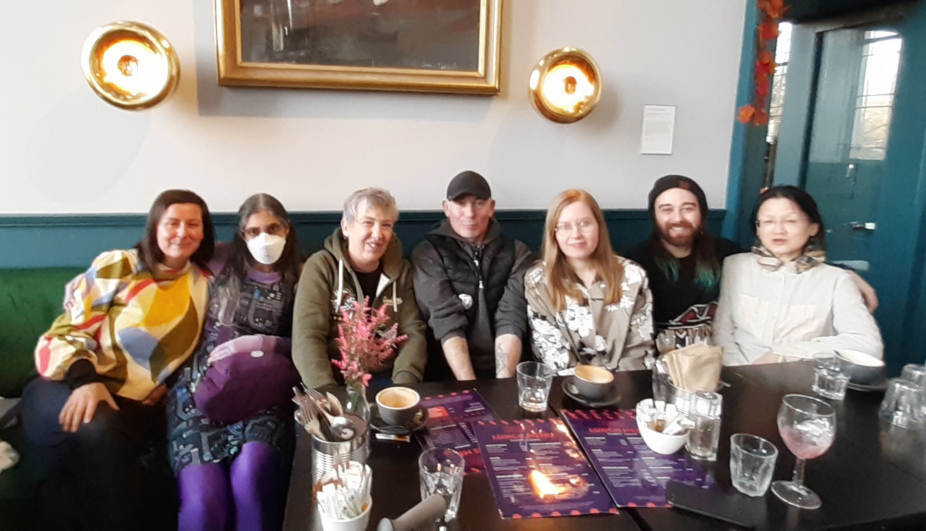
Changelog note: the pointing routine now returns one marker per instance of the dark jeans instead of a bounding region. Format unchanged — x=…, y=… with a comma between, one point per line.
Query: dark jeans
x=97, y=472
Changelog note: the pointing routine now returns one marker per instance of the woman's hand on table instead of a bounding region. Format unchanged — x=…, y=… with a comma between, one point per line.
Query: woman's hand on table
x=82, y=404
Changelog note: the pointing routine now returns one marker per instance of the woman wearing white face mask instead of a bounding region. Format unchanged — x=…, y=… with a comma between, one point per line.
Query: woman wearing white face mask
x=229, y=427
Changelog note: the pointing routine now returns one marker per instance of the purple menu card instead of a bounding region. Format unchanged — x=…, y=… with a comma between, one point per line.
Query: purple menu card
x=634, y=475
x=536, y=470
x=448, y=425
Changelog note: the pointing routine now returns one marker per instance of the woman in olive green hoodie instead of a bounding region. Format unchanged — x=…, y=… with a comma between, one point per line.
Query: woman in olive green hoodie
x=362, y=258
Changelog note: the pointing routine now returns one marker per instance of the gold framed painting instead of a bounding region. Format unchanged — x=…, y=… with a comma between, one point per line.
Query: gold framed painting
x=403, y=45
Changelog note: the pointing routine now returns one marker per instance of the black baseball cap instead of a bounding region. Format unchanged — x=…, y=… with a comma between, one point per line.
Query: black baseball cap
x=468, y=183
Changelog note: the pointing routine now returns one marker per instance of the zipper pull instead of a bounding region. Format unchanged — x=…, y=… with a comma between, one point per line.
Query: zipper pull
x=477, y=255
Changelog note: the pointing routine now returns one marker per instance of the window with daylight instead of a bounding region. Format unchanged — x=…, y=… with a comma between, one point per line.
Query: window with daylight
x=777, y=100
x=875, y=99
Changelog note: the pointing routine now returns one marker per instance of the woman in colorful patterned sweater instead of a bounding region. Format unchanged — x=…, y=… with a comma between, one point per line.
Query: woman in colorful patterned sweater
x=586, y=304
x=233, y=469
x=129, y=322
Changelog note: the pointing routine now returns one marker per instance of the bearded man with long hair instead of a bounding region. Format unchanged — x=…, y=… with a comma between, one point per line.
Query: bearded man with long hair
x=683, y=262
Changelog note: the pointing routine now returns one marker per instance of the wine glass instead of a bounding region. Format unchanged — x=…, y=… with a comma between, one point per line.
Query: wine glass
x=807, y=426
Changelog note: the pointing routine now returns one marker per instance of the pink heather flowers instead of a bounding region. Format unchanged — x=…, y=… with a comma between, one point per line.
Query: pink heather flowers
x=364, y=342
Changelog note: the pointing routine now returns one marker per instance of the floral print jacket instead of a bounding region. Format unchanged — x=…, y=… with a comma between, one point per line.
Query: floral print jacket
x=618, y=336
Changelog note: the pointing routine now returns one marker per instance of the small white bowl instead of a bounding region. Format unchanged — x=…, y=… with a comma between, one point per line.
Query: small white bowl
x=657, y=441
x=862, y=368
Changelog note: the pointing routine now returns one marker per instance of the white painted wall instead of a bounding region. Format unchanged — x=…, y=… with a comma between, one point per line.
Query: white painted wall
x=63, y=150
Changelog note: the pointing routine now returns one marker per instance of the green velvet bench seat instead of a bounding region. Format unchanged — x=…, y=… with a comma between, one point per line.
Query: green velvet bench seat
x=30, y=299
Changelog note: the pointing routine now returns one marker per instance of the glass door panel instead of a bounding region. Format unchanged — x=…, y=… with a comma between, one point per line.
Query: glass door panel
x=849, y=133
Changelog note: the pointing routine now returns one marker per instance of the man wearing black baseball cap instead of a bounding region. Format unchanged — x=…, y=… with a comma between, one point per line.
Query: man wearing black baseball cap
x=469, y=283
x=683, y=262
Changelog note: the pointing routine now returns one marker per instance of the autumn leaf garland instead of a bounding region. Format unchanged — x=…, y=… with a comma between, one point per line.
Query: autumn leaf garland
x=756, y=112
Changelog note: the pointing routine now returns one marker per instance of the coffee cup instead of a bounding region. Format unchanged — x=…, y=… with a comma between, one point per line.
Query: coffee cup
x=593, y=382
x=397, y=405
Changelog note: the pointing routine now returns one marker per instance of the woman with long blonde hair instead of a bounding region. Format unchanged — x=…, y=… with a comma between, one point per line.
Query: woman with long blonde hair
x=585, y=304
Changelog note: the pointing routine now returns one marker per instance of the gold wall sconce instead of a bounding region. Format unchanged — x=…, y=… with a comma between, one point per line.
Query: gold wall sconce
x=565, y=85
x=130, y=65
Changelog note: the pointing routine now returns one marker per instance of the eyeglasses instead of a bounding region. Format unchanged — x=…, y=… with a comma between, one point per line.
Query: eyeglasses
x=787, y=223
x=584, y=225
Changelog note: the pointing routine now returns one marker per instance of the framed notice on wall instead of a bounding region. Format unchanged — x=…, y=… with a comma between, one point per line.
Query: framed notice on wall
x=404, y=45
x=658, y=130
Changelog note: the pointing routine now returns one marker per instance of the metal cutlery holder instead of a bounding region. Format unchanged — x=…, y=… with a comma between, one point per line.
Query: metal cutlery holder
x=664, y=389
x=327, y=454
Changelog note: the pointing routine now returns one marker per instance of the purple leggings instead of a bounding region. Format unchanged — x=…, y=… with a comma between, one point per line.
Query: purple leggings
x=247, y=492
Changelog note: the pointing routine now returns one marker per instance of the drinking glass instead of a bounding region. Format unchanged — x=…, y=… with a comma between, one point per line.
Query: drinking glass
x=903, y=403
x=534, y=380
x=807, y=426
x=917, y=374
x=829, y=381
x=752, y=463
x=441, y=472
x=705, y=412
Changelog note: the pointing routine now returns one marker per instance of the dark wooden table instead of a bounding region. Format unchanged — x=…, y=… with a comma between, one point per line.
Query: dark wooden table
x=874, y=476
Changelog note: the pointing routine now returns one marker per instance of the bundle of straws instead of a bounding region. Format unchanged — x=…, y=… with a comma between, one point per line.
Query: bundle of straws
x=344, y=492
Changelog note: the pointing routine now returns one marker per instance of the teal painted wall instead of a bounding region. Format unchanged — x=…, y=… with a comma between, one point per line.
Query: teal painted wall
x=742, y=143
x=748, y=147
x=74, y=240
x=903, y=202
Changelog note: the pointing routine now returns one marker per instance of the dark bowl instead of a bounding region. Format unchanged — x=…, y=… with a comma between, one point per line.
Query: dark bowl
x=862, y=368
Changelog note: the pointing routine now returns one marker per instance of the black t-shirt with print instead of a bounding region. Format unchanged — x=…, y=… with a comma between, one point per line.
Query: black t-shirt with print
x=680, y=301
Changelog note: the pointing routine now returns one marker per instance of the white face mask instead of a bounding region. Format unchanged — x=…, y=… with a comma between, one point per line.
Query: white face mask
x=266, y=248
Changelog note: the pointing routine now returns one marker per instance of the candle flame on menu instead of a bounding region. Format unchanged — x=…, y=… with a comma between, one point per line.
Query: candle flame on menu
x=543, y=486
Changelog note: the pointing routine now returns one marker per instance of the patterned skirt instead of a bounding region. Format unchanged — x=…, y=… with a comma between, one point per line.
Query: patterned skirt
x=195, y=439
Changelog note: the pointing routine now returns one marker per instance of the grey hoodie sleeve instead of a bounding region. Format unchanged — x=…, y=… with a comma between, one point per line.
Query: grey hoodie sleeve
x=439, y=304
x=511, y=314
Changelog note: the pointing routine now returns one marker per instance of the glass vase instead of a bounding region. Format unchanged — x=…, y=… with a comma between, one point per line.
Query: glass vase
x=357, y=403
